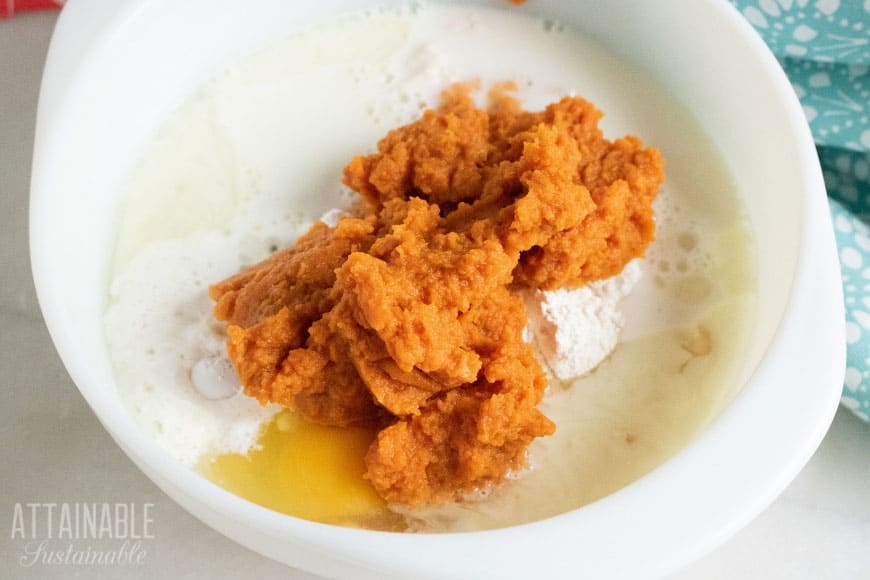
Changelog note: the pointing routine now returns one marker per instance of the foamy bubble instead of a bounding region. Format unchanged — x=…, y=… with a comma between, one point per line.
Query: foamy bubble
x=681, y=252
x=214, y=378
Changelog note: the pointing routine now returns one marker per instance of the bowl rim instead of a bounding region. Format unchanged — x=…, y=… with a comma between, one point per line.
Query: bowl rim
x=816, y=275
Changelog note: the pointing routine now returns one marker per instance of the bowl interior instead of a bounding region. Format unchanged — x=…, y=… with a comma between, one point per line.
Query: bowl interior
x=117, y=68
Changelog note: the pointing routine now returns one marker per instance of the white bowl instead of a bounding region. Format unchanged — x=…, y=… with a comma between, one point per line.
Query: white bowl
x=116, y=69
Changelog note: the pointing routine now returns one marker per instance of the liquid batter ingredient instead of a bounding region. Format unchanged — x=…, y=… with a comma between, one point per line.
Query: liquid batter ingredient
x=405, y=317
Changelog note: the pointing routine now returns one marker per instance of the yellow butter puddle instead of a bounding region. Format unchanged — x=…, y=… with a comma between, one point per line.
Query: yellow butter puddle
x=308, y=471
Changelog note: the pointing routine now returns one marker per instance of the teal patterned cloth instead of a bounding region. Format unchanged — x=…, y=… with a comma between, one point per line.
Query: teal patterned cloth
x=824, y=47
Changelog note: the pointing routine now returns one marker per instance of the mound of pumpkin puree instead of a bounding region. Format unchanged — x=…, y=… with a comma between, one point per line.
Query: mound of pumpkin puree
x=405, y=317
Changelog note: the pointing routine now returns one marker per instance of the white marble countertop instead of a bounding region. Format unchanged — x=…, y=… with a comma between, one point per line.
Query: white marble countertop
x=53, y=450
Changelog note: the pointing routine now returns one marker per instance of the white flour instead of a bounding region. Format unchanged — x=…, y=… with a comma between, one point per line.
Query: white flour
x=573, y=330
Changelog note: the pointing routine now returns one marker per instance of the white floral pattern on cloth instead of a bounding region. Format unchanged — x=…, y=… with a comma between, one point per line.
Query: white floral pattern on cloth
x=820, y=30
x=824, y=47
x=849, y=190
x=835, y=99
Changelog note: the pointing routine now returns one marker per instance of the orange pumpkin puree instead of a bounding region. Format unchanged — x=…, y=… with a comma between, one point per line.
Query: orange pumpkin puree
x=405, y=317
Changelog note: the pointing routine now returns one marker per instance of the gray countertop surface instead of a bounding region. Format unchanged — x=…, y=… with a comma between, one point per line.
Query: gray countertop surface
x=53, y=449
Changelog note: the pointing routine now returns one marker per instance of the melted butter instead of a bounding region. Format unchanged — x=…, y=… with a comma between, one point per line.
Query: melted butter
x=308, y=471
